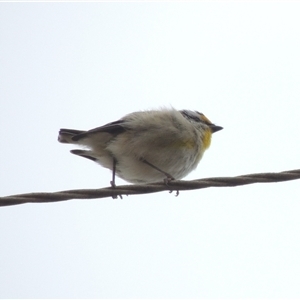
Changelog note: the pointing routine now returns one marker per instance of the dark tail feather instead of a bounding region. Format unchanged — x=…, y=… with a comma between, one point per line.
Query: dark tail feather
x=84, y=153
x=66, y=135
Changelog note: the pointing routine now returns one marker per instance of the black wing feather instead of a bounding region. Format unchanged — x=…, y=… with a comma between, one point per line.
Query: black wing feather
x=113, y=128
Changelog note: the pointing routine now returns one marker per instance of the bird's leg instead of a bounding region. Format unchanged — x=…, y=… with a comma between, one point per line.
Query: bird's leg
x=168, y=176
x=113, y=183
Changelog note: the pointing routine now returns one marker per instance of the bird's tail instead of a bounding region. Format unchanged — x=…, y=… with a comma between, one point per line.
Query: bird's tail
x=66, y=135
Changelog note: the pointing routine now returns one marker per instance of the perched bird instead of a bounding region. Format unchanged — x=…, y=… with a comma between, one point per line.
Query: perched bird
x=146, y=146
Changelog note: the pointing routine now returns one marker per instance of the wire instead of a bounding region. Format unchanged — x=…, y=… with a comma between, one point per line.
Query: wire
x=173, y=185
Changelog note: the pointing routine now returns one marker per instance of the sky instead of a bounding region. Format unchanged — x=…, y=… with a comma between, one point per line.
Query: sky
x=82, y=65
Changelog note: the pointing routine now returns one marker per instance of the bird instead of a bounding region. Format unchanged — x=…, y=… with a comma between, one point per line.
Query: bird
x=147, y=146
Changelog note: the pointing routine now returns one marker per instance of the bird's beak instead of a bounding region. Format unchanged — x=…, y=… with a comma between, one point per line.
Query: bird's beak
x=215, y=128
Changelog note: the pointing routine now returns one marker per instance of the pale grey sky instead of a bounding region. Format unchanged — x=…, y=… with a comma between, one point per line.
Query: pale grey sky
x=81, y=65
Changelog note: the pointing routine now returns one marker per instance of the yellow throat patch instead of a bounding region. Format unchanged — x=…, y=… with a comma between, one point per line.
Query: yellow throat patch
x=190, y=143
x=206, y=139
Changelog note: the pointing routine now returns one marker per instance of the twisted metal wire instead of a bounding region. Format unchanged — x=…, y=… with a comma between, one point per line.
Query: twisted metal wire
x=174, y=185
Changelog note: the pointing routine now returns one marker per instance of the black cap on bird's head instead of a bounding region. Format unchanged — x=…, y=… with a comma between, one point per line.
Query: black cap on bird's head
x=199, y=117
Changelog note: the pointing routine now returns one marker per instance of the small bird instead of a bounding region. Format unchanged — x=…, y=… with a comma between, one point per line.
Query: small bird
x=146, y=146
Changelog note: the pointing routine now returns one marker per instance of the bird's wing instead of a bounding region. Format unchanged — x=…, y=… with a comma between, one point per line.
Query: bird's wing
x=113, y=128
